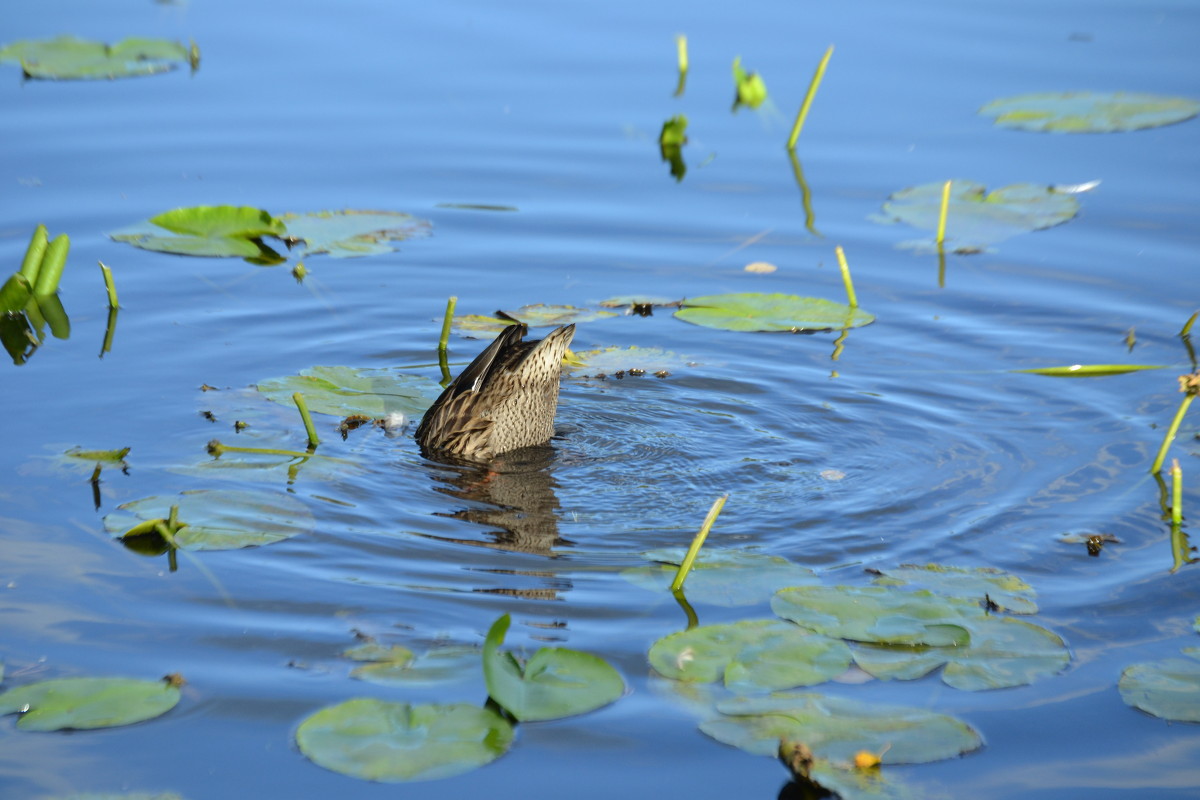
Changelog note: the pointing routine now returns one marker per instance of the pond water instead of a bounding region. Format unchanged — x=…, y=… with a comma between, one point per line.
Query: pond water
x=911, y=442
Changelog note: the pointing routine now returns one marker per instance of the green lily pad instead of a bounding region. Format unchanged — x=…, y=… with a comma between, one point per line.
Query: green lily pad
x=1002, y=653
x=216, y=519
x=344, y=391
x=87, y=703
x=727, y=578
x=555, y=682
x=379, y=653
x=755, y=311
x=634, y=300
x=438, y=665
x=1090, y=370
x=113, y=457
x=348, y=234
x=212, y=231
x=69, y=58
x=1006, y=591
x=394, y=742
x=1089, y=112
x=836, y=728
x=1169, y=688
x=650, y=360
x=750, y=655
x=878, y=614
x=542, y=315
x=975, y=217
x=857, y=784
x=480, y=323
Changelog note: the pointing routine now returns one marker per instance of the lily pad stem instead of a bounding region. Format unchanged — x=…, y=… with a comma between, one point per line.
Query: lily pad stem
x=1176, y=494
x=34, y=254
x=697, y=543
x=813, y=85
x=313, y=439
x=945, y=208
x=447, y=321
x=217, y=449
x=851, y=298
x=1171, y=431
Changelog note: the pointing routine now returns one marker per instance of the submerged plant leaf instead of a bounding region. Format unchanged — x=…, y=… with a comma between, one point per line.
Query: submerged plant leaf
x=1090, y=370
x=977, y=218
x=347, y=234
x=1089, y=112
x=438, y=665
x=1169, y=688
x=755, y=311
x=69, y=58
x=86, y=703
x=1002, y=653
x=344, y=391
x=836, y=728
x=555, y=682
x=378, y=653
x=750, y=655
x=878, y=614
x=720, y=577
x=1006, y=591
x=218, y=519
x=392, y=742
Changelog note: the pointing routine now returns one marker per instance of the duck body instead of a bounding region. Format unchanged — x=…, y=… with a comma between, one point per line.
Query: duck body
x=504, y=400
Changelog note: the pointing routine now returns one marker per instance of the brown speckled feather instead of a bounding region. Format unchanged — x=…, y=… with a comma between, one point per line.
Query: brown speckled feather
x=505, y=399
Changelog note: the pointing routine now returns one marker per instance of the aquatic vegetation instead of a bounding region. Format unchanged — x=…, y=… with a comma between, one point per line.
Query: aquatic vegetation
x=213, y=519
x=350, y=234
x=813, y=85
x=343, y=391
x=671, y=140
x=754, y=311
x=1089, y=112
x=69, y=58
x=720, y=577
x=751, y=91
x=632, y=360
x=89, y=703
x=1001, y=591
x=1169, y=688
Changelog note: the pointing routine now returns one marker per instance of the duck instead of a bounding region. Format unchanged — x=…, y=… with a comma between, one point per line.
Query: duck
x=504, y=400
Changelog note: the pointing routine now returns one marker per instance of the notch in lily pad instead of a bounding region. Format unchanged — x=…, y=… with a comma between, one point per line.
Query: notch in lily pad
x=70, y=58
x=89, y=703
x=1089, y=112
x=756, y=311
x=554, y=683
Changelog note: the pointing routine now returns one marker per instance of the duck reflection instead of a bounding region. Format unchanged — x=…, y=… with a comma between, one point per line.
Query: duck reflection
x=513, y=495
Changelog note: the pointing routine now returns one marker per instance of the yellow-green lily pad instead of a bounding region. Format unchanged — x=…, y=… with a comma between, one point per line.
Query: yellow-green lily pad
x=210, y=231
x=87, y=703
x=649, y=360
x=721, y=577
x=437, y=665
x=1006, y=591
x=750, y=655
x=1089, y=112
x=69, y=58
x=344, y=391
x=376, y=740
x=348, y=234
x=878, y=614
x=756, y=311
x=1090, y=370
x=1169, y=688
x=542, y=315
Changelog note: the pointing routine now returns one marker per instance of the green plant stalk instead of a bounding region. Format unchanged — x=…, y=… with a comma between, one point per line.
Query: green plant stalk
x=1171, y=431
x=851, y=298
x=53, y=262
x=109, y=286
x=447, y=321
x=34, y=254
x=693, y=551
x=173, y=518
x=110, y=330
x=218, y=449
x=945, y=209
x=1176, y=494
x=313, y=439
x=1187, y=326
x=813, y=85
x=682, y=50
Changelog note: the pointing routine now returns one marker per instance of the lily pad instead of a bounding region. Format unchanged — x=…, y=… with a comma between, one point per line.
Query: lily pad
x=977, y=218
x=87, y=703
x=216, y=519
x=1169, y=688
x=438, y=665
x=555, y=682
x=348, y=234
x=750, y=655
x=1090, y=370
x=727, y=578
x=393, y=742
x=755, y=311
x=344, y=391
x=541, y=315
x=1006, y=591
x=69, y=58
x=649, y=360
x=375, y=652
x=1089, y=112
x=630, y=301
x=878, y=614
x=836, y=728
x=113, y=457
x=1002, y=653
x=212, y=231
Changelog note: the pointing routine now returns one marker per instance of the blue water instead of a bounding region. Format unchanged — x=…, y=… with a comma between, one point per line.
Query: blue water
x=943, y=455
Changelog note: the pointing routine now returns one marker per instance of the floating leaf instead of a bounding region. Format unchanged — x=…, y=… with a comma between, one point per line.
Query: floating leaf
x=86, y=703
x=541, y=315
x=1006, y=591
x=649, y=360
x=114, y=457
x=721, y=577
x=344, y=391
x=375, y=652
x=216, y=519
x=67, y=58
x=1002, y=653
x=755, y=311
x=393, y=742
x=836, y=728
x=750, y=655
x=878, y=614
x=555, y=682
x=636, y=300
x=1089, y=112
x=478, y=323
x=347, y=234
x=1169, y=688
x=977, y=218
x=438, y=665
x=1089, y=370
x=213, y=231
